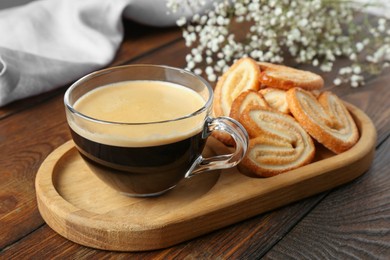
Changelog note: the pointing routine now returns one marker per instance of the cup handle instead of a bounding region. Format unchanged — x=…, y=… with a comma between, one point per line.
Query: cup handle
x=236, y=131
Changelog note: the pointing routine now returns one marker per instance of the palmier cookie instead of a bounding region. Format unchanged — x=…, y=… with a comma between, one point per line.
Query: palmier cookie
x=278, y=143
x=246, y=98
x=283, y=77
x=327, y=119
x=242, y=75
x=275, y=98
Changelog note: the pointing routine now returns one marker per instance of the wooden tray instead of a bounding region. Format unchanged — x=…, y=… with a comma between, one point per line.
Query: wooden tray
x=78, y=206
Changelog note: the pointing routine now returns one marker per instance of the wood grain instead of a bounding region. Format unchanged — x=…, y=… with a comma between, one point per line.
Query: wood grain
x=340, y=227
x=25, y=146
x=23, y=150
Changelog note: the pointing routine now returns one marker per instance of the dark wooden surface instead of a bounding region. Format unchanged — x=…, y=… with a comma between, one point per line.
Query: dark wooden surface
x=348, y=222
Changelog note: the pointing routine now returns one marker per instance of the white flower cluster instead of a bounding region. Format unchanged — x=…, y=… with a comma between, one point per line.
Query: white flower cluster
x=314, y=32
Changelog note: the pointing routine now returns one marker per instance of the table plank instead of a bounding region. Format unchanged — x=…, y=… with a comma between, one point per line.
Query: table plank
x=25, y=145
x=351, y=222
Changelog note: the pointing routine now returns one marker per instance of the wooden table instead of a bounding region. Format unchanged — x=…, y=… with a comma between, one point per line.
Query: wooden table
x=351, y=221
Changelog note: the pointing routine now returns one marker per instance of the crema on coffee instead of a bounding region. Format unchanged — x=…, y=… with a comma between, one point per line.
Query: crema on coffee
x=137, y=102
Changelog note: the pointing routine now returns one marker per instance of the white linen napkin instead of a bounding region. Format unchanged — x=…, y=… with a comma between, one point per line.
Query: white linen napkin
x=49, y=43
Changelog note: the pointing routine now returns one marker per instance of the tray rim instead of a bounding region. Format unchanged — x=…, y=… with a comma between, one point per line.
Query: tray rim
x=52, y=206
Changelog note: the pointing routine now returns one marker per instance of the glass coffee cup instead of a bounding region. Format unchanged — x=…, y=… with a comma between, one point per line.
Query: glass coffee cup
x=142, y=128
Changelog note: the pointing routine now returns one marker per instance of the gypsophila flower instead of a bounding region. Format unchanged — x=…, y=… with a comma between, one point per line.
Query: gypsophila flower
x=315, y=32
x=198, y=71
x=337, y=81
x=182, y=21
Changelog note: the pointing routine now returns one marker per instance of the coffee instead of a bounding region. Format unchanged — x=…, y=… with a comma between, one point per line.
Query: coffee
x=142, y=128
x=142, y=170
x=140, y=159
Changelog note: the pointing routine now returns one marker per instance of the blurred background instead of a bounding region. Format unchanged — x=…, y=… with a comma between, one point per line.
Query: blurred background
x=11, y=3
